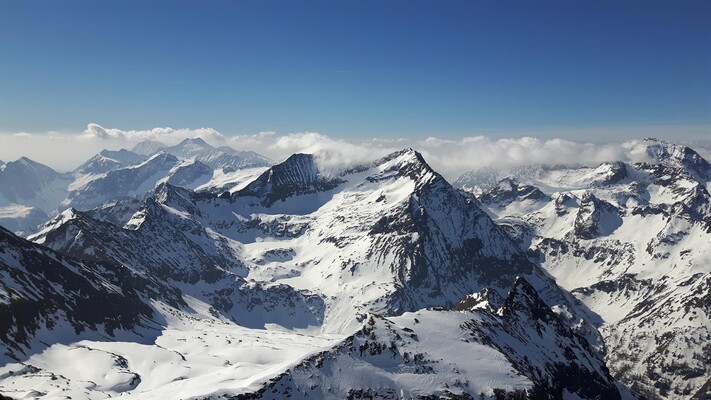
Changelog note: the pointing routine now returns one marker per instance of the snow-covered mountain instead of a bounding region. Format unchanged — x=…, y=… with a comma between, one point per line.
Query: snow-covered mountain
x=31, y=184
x=223, y=157
x=249, y=289
x=632, y=243
x=137, y=180
x=409, y=240
x=30, y=193
x=108, y=160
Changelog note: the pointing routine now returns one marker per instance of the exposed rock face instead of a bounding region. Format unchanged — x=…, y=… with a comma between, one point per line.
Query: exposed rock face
x=508, y=190
x=43, y=290
x=595, y=217
x=296, y=176
x=108, y=160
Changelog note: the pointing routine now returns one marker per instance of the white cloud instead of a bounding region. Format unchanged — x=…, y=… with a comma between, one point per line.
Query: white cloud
x=449, y=156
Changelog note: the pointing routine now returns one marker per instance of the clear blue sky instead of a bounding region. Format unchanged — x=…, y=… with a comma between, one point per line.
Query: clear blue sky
x=353, y=68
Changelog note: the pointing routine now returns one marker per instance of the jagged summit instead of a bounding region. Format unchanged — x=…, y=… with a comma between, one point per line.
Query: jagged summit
x=191, y=148
x=301, y=174
x=523, y=298
x=678, y=155
x=70, y=215
x=404, y=157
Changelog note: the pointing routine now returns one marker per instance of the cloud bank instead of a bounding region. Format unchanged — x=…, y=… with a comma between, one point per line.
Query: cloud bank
x=451, y=157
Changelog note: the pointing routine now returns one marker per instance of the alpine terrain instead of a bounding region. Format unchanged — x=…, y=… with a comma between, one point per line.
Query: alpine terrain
x=632, y=242
x=191, y=271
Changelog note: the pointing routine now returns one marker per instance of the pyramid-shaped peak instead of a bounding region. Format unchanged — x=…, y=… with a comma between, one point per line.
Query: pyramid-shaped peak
x=297, y=169
x=27, y=161
x=299, y=158
x=24, y=164
x=197, y=141
x=524, y=299
x=406, y=157
x=409, y=154
x=409, y=162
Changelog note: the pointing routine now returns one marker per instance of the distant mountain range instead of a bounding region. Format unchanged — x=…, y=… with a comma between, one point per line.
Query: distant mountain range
x=31, y=192
x=199, y=272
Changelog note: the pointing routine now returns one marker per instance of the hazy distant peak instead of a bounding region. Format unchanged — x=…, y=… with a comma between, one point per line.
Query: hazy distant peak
x=194, y=142
x=147, y=147
x=26, y=164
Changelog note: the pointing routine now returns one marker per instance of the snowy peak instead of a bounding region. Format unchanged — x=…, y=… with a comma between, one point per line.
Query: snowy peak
x=135, y=180
x=161, y=157
x=108, y=160
x=297, y=175
x=223, y=157
x=26, y=167
x=412, y=164
x=678, y=155
x=49, y=230
x=190, y=148
x=198, y=143
x=148, y=147
x=31, y=184
x=190, y=174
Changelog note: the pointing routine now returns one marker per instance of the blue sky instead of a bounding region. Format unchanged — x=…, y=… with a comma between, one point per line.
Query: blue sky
x=355, y=69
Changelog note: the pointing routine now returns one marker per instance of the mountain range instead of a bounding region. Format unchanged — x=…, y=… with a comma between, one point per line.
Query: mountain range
x=199, y=272
x=633, y=243
x=30, y=192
